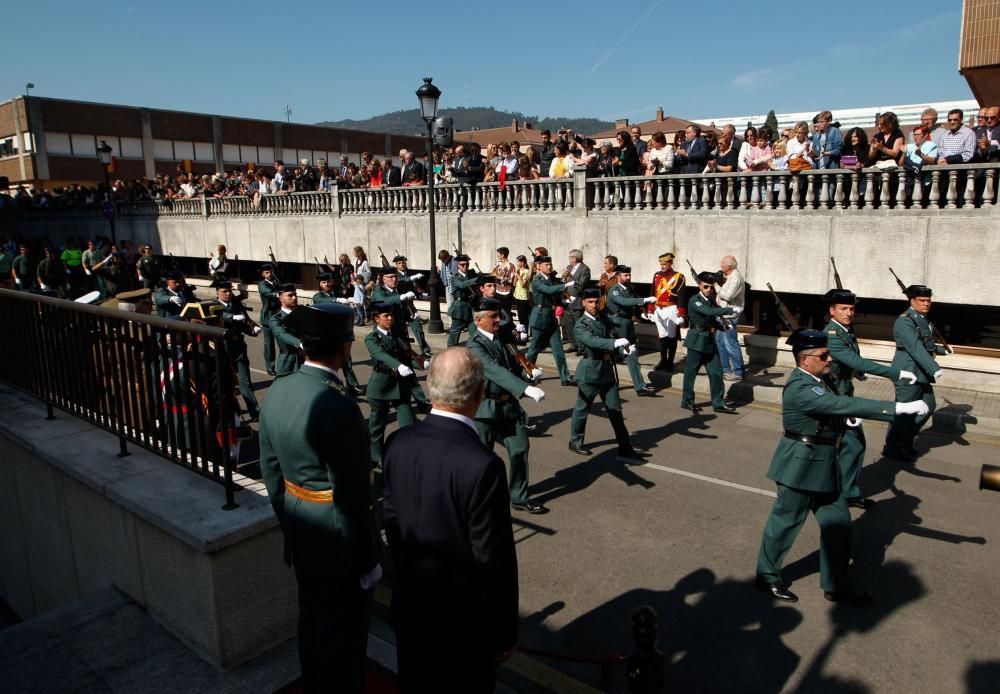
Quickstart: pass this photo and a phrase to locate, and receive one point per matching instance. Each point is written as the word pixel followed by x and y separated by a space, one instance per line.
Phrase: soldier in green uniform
pixel 51 273
pixel 393 381
pixel 499 414
pixel 915 352
pixel 88 260
pixel 546 293
pixel 148 268
pixel 463 289
pixel 703 319
pixel 622 305
pixel 847 365
pixel 406 283
pixel 314 463
pixel 596 375
pixel 804 467
pixel 290 356
pixel 325 295
pixel 234 318
pixel 23 269
pixel 268 290
pixel 173 295
pixel 6 264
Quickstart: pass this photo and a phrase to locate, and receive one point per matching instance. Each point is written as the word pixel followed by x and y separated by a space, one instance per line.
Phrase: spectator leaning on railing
pixel 827 141
pixel 958 143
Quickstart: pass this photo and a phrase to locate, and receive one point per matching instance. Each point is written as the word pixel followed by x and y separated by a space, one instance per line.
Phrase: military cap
pixel 708 277
pixel 486 279
pixel 915 290
pixel 265 266
pixel 840 296
pixel 806 338
pixel 543 259
pixel 286 287
pixel 221 283
pixel 461 258
pixel 489 305
pixel 666 256
pixel 322 321
pixel 399 259
pixel 127 301
pixel 378 308
pixel 591 293
pixel 623 268
pixel 175 275
pixel 324 276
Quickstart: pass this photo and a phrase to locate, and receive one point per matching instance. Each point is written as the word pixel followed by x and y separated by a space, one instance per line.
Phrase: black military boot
pixel 671 353
pixel 664 358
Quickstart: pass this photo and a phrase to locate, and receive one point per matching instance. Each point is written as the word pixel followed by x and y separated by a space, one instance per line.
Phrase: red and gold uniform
pixel 667 314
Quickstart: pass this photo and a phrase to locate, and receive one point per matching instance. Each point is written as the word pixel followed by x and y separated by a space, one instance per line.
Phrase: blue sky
pixel 341 59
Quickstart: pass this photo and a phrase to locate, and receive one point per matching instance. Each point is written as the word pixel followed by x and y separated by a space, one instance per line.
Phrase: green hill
pixel 409 122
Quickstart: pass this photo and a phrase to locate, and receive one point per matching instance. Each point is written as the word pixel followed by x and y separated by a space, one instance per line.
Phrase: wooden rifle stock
pixel 783 313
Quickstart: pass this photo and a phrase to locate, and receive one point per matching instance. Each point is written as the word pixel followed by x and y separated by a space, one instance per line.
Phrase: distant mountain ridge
pixel 409 122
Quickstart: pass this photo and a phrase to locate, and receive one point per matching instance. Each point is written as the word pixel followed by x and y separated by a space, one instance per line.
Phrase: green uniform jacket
pixel 165 307
pixel 914 346
pixel 463 288
pixel 52 272
pixel 324 298
pixel 313 435
pixel 24 266
pixel 848 360
pixel 388 352
pixel 234 342
pixel 150 268
pixel 290 358
pixel 502 374
pixel 702 318
pixel 268 290
pixel 597 337
pixel 809 406
pixel 621 307
pixel 546 294
pixel 6 263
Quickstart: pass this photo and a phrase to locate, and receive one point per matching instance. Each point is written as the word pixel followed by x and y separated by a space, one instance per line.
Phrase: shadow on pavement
pixel 580 476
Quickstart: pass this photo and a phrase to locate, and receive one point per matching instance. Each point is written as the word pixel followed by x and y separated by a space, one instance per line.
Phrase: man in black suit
pixel 579 273
pixel 392 175
pixel 414 173
pixel 694 153
pixel 447 518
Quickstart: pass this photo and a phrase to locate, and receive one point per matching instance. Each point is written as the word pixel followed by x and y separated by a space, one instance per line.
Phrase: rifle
pixel 274 262
pixel 836 275
pixel 726 324
pixel 783 313
pixel 519 357
pixel 173 263
pixel 937 333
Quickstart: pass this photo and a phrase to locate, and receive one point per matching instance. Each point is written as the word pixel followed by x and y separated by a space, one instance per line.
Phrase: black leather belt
pixel 814 440
pixel 503 397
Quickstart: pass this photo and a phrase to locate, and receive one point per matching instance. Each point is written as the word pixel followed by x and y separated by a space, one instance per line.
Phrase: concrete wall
pixel 950 250
pixel 75 519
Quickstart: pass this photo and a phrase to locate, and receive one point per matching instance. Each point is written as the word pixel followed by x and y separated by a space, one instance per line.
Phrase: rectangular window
pixel 113 143
pixel 204 151
pixel 58 143
pixel 183 150
pixel 131 147
pixel 288 156
pixel 84 145
pixel 163 149
pixel 265 155
pixel 248 154
pixel 231 154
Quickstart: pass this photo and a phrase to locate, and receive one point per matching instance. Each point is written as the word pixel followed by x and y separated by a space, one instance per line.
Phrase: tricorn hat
pixel 623 268
pixel 322 321
pixel 840 296
pixel 915 290
pixel 708 277
pixel 591 293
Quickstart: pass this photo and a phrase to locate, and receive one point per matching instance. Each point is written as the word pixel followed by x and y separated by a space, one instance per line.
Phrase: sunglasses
pixel 823 355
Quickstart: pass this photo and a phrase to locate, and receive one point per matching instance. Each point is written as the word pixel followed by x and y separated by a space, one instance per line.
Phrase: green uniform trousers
pixel 350 378
pixel 850 458
pixel 634 371
pixel 585 395
pixel 713 367
pixel 268 347
pixel 511 430
pixel 378 418
pixel 242 363
pixel 905 427
pixel 455 330
pixel 550 336
pixel 787 517
pixel 417 328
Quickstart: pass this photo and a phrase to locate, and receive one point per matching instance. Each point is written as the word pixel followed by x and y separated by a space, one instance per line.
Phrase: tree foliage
pixel 409 122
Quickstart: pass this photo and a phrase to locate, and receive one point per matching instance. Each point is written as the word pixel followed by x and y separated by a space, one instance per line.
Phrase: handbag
pixel 849 161
pixel 886 165
pixel 799 164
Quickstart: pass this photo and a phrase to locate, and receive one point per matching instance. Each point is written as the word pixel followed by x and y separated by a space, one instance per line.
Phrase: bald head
pixel 455 381
pixel 728 264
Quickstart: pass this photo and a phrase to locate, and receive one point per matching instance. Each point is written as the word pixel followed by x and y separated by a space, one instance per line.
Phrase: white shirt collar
pixel 454 415
pixel 840 324
pixel 818 379
pixel 702 295
pixel 587 315
pixel 316 365
pixel 575 268
pixel 485 334
pixel 384 332
pixel 286 311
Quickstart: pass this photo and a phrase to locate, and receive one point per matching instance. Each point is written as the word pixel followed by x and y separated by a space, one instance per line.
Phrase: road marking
pixel 713 480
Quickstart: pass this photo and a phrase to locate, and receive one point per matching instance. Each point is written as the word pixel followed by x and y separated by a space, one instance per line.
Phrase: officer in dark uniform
pixel 407 285
pixel 499 414
pixel 847 365
pixel 463 289
pixel 268 290
pixel 173 295
pixel 234 317
pixel 313 442
pixel 596 375
pixel 393 381
pixel 915 352
pixel 148 268
pixel 804 467
pixel 703 319
pixel 325 295
pixel 51 273
pixel 290 355
pixel 622 305
pixel 546 294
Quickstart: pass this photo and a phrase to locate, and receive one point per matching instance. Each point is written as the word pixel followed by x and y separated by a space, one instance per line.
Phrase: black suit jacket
pixel 414 172
pixel 447 516
pixel 697 155
pixel 392 176
pixel 581 280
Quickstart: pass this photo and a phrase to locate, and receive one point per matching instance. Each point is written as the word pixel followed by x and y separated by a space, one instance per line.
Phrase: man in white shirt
pixel 732 292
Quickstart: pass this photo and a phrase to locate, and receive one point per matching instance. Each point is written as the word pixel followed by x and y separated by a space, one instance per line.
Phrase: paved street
pixel 681 534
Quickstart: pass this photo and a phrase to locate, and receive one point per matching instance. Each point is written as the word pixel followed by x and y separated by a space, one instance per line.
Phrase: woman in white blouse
pixel 361 264
pixel 507 162
pixel 659 158
pixel 800 147
pixel 219 264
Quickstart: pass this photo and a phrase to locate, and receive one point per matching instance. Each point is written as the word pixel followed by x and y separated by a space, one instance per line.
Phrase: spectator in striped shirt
pixel 958 143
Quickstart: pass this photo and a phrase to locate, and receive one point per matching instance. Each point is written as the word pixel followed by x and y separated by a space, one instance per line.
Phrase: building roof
pixel 522 132
pixel 662 123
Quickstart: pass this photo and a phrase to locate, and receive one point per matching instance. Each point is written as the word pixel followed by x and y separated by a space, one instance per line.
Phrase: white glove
pixel 68 272
pixel 177 300
pixel 404 370
pixel 917 407
pixel 621 342
pixel 369 579
pixel 631 349
pixel 44 286
pixel 949 350
pixel 536 373
pixel 678 321
pixel 569 284
pixel 240 318
pixel 853 422
pixel 418 276
pixel 342 300
pixel 649 300
pixel 938 374
pixel 88 273
pixel 407 296
pixel 236 292
pixel 908 376
pixel 535 393
pixel 736 311
pixel 257 330
pixel 646 317
pixel 18 280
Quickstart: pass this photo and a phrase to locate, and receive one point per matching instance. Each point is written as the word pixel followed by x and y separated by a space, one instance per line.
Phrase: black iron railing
pixel 164 385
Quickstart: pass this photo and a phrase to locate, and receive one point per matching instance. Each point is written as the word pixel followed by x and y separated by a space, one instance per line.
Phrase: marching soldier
pixel 148 268
pixel 325 295
pixel 915 352
pixel 804 468
pixel 667 316
pixel 704 314
pixel 622 305
pixel 52 273
pixel 596 375
pixel 268 290
pixel 290 356
pixel 234 317
pixel 23 269
pixel 173 295
pixel 546 293
pixel 312 442
pixel 392 382
pixel 88 260
pixel 847 365
pixel 462 290
pixel 388 292
pixel 407 285
pixel 500 415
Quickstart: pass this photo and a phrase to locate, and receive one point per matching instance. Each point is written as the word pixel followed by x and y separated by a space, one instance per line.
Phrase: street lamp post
pixel 104 155
pixel 429 95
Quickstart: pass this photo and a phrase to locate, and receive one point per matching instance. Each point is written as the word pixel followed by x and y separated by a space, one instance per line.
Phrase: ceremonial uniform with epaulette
pixel 392 382
pixel 546 294
pixel 703 316
pixel 804 468
pixel 407 283
pixel 314 462
pixel 915 352
pixel 667 315
pixel 267 288
pixel 171 298
pixel 500 415
pixel 621 306
pixel 350 378
pixel 463 288
pixel 234 320
pixel 596 376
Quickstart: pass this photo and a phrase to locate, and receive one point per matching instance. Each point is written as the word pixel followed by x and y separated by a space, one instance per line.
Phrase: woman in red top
pixel 375 172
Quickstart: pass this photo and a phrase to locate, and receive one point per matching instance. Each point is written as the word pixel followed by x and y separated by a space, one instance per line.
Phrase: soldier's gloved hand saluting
pixel 908 376
pixel 177 300
pixel 621 342
pixel 535 393
pixel 406 296
pixel 917 407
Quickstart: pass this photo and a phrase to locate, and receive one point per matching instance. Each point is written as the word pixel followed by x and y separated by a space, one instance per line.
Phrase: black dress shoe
pixel 694 408
pixel 647 391
pixel 725 409
pixel 271 373
pixel 570 382
pixel 778 590
pixel 530 507
pixel 529 426
pixel 631 454
pixel 861 502
pixel 853 598
pixel 578 450
pixel 356 391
